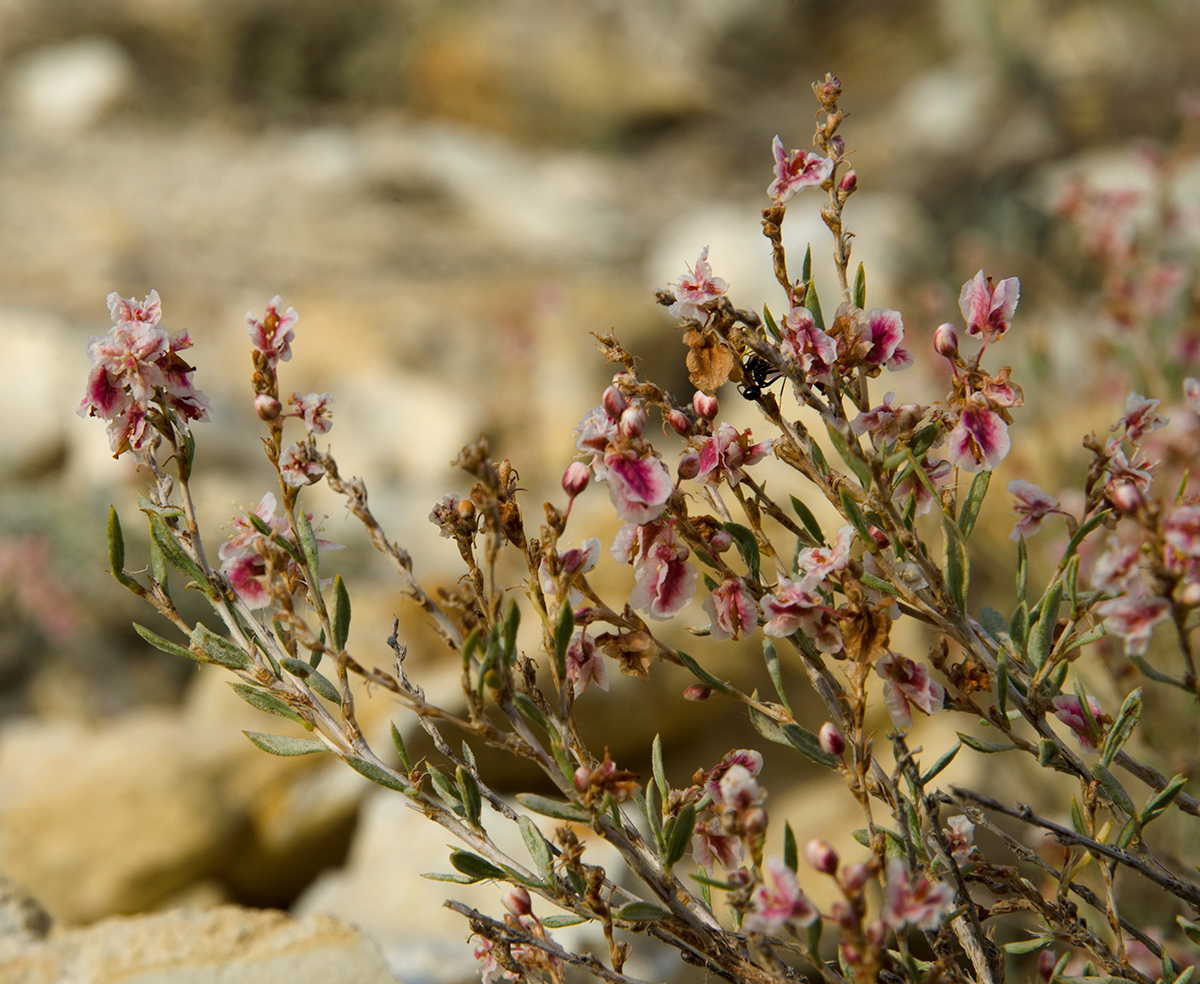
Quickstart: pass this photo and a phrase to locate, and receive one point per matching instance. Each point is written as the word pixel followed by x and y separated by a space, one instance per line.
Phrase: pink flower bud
pixel 822 856
pixel 721 541
pixel 267 407
pixel 842 913
pixel 945 340
pixel 855 876
pixel 849 181
pixel 517 901
pixel 1047 961
pixel 851 955
pixel 614 402
pixel 878 537
pixel 583 778
pixel 680 422
pixel 1126 497
pixel 697 692
pixel 706 406
pixel 831 739
pixel 689 465
pixel 633 420
pixel 877 933
pixel 575 478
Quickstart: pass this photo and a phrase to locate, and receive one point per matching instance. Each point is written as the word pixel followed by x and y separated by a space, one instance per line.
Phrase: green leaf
pixel 860 287
pixel 158 567
pixel 116 549
pixel 945 759
pixel 853 462
pixel 1123 727
pixel 1041 633
pixel 557 809
pixel 641 912
pixel 564 628
pixel 320 683
pixel 656 763
pixel 1190 929
pixel 1116 792
pixel 308 543
pixel 1027 946
pixel 973 503
pixel 1083 531
pixel 562 922
pixel 792 734
pixel 538 849
pixel 809 520
pixel 468 792
pixel 957 568
pixel 218 649
pixel 401 749
pixel 285 746
pixel 377 775
pixel 1022 573
pixel 677 834
pixel 871 581
pixel 1018 627
pixel 703 675
pixel 747 546
pixel 174 554
pixel 988 747
pixel 791 857
pixel 339 618
pixel 806 266
pixel 530 710
pixel 818 457
pixel 511 622
pixel 158 642
pixel 446 789
pixel 265 702
pixel 1077 818
pixel 854 514
pixel 813 303
pixel 771 324
pixel 774 670
pixel 454 879
pixel 475 867
pixel 1157 805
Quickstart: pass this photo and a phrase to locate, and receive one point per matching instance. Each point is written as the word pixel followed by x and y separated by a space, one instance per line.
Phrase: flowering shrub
pixel 920 901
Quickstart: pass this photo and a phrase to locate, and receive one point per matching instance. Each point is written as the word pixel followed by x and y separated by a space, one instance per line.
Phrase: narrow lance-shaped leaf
pixel 747 546
pixel 468 791
pixel 308 543
pixel 854 514
pixel 771 656
pixel 1116 792
pixel 265 702
pixel 853 461
pixel 158 567
pixel 944 760
pixel 320 683
pixel 703 675
pixel 538 849
pixel 770 323
pixel 809 520
pixel 957 567
pixel 116 549
pixel 284 745
pixel 1123 727
pixel 339 618
pixel 971 505
pixel 475 867
pixel 377 775
pixel 218 649
pixel 678 835
pixel 806 266
pixel 641 912
pixel 401 749
pixel 1041 633
pixel 556 809
pixel 791 856
pixel 564 628
pixel 860 287
pixel 797 737
pixel 1002 683
pixel 1157 805
pixel 656 764
pixel 174 553
pixel 165 645
pixel 813 303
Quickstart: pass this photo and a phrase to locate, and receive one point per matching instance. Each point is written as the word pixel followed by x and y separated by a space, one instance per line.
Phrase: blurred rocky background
pixel 453 195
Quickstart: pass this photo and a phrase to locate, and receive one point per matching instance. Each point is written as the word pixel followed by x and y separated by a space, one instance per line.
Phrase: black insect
pixel 757 372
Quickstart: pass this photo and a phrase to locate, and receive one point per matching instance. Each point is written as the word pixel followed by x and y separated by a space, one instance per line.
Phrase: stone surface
pixel 226 945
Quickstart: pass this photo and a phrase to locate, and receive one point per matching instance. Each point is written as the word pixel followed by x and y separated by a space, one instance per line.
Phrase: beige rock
pixel 227 945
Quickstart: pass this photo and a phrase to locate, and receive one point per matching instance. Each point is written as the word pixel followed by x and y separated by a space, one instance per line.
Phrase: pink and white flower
pixel 724 454
pixel 988 308
pixel 791 607
pixel 778 902
pixel 732 609
pixel 980 438
pixel 817 563
pixel 697 291
pixel 585 664
pixel 1069 710
pixel 1133 617
pixel 796 171
pixel 908 683
pixel 273 335
pixel 961 838
pixel 1141 417
pixel 1033 505
pixel 804 343
pixel 664 582
pixel 298 467
pixel 887 331
pixel 639 487
pixel 914 900
pixel 313 408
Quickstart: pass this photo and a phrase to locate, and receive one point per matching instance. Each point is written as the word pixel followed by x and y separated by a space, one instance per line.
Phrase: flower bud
pixel 754 821
pixel 267 407
pixel 849 181
pixel 851 955
pixel 705 405
pixel 575 478
pixel 1126 497
pixel 614 402
pixel 680 422
pixel 697 692
pixel 878 537
pixel 945 340
pixel 831 739
pixel 582 779
pixel 842 913
pixel 517 901
pixel 721 541
pixel 466 511
pixel 837 148
pixel 877 933
pixel 689 465
pixel 855 876
pixel 828 91
pixel 633 420
pixel 822 856
pixel 1047 961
